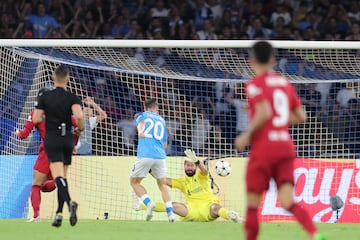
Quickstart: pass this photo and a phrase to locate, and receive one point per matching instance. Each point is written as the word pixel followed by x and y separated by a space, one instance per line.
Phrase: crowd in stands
pixel 181 19
pixel 212 119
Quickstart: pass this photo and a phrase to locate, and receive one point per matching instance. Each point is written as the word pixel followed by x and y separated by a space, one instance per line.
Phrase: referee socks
pixel 63 192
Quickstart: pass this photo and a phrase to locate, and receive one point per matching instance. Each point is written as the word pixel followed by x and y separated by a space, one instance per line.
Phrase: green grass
pixel 19 229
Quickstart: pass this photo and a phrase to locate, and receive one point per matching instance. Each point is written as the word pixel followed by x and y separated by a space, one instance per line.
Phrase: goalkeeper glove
pixel 191 156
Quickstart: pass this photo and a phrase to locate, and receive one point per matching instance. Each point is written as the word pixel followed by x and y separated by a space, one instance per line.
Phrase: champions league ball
pixel 223 168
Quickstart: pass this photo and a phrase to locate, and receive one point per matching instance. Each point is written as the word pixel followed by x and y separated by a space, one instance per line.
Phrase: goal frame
pixel 175 43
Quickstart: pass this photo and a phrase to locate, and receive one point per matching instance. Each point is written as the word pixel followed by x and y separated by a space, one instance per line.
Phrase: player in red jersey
pixel 42 179
pixel 274 105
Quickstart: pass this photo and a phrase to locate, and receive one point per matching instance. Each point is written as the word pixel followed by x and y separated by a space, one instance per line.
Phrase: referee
pixel 59 105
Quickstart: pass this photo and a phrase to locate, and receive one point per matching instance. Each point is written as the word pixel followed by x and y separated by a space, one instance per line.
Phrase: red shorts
pixel 262 167
pixel 42 164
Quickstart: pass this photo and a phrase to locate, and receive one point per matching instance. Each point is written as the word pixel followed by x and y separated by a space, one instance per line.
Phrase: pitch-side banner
pixel 315 182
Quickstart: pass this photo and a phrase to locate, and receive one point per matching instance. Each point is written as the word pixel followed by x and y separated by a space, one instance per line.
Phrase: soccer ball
pixel 223 168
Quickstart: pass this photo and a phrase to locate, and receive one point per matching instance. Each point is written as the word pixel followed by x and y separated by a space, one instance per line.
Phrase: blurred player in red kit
pixel 42 179
pixel 274 105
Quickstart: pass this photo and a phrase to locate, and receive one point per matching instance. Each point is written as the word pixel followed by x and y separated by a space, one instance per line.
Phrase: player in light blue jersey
pixel 152 135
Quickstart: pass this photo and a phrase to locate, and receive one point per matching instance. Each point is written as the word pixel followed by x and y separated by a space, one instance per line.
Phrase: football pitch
pixel 19 229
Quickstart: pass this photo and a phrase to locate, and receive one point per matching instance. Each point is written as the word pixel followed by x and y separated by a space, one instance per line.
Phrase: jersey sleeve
pixel 139 117
pixel 203 177
pixel 76 100
pixel 177 183
pixel 295 101
pixel 254 92
pixel 40 103
pixel 27 129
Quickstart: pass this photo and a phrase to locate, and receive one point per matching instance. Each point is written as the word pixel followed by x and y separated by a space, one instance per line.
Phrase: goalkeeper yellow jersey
pixel 196 188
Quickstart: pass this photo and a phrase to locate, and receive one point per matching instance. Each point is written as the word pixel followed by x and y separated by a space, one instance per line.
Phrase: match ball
pixel 223 168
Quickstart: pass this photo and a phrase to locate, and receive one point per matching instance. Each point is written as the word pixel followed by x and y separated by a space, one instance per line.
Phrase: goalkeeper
pixel 202 205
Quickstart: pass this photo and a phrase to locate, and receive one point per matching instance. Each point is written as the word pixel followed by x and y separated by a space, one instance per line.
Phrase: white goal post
pixel 286 44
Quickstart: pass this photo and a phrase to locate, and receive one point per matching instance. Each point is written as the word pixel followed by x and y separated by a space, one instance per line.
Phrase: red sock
pixel 303 217
pixel 251 224
pixel 48 186
pixel 35 197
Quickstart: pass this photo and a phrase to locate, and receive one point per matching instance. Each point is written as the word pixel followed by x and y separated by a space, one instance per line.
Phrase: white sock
pixel 169 207
pixel 146 199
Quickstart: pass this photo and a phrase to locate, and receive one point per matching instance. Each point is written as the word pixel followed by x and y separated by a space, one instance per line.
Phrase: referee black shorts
pixel 59 148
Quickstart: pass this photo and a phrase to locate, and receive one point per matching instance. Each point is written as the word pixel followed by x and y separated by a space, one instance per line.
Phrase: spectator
pixel 159 10
pixel 127 126
pixel 226 20
pixel 216 8
pixel 175 23
pixel 257 30
pixel 242 116
pixel 106 31
pixel 201 12
pixel 280 12
pixel 84 146
pixel 324 89
pixel 355 33
pixel 134 30
pixel 344 96
pixel 100 90
pixel 311 98
pixel 354 11
pixel 43 24
pixel 6 26
pixel 208 32
pixel 174 127
pixel 300 13
pixel 216 143
pixel 121 27
pixel 200 131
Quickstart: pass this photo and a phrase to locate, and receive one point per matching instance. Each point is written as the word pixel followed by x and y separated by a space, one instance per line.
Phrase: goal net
pixel 201 95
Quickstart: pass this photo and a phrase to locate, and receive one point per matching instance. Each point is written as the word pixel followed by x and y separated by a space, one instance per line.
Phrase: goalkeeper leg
pixel 217 210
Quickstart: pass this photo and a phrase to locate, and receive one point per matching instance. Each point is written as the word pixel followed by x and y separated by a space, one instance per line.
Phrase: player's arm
pixel 100 113
pixel 168 182
pixel 203 169
pixel 79 117
pixel 165 139
pixel 298 115
pixel 38 116
pixel 140 129
pixel 27 129
pixel 297 112
pixel 261 116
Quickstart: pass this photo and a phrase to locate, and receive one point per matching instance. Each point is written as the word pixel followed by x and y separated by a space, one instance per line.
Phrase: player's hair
pixel 61 72
pixel 262 51
pixel 150 103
